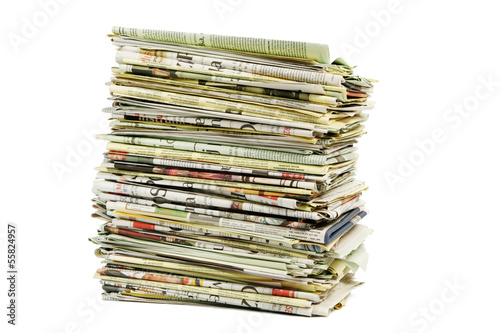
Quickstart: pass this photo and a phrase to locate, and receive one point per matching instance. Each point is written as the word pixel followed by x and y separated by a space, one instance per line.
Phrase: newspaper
pixel 178 279
pixel 207 200
pixel 132 58
pixel 148 126
pixel 274 198
pixel 119 236
pixel 261 154
pixel 126 42
pixel 264 183
pixel 130 172
pixel 121 156
pixel 180 252
pixel 218 105
pixel 223 123
pixel 323 235
pixel 143 106
pixel 283 48
pixel 237 68
pixel 213 291
pixel 134 220
pixel 170 295
pixel 206 90
pixel 223 159
pixel 104 196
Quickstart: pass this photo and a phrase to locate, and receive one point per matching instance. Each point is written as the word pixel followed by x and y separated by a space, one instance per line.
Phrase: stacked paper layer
pixel 229 176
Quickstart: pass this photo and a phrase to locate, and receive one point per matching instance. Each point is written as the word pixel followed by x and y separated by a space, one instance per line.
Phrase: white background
pixel 436 227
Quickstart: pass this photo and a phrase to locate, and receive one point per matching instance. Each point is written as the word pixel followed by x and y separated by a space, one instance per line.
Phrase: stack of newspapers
pixel 229 176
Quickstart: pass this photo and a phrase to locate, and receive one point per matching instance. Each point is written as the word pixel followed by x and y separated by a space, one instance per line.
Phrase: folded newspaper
pixel 229 176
